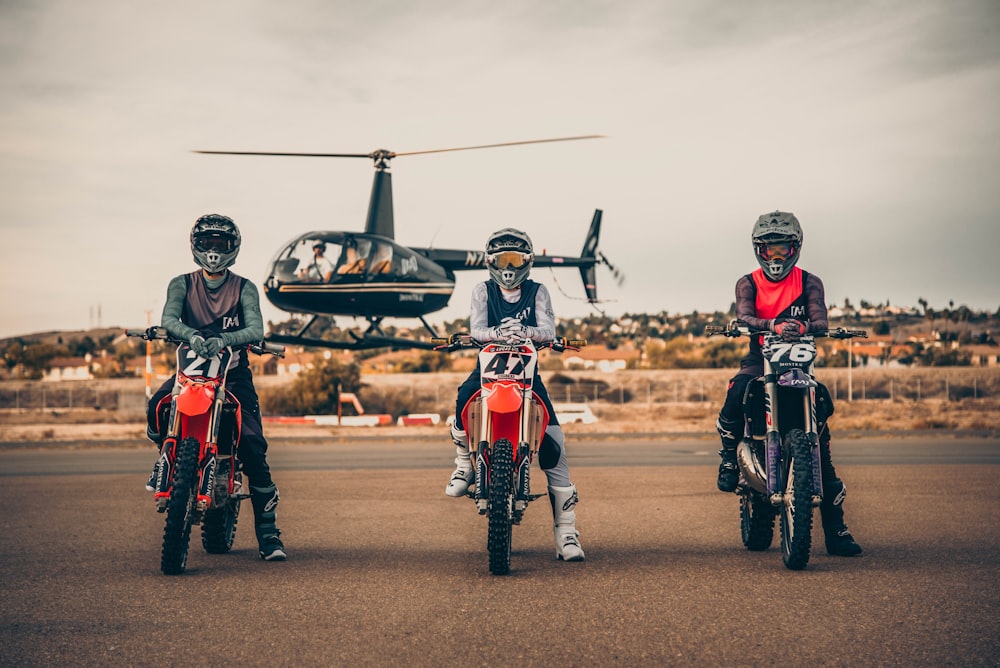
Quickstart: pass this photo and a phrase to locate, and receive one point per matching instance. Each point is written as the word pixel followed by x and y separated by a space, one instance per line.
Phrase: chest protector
pixel 779 300
pixel 215 311
pixel 497 308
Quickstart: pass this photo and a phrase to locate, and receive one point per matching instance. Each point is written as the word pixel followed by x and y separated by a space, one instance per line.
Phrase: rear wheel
pixel 501 490
pixel 796 506
pixel 218 529
pixel 756 521
pixel 180 508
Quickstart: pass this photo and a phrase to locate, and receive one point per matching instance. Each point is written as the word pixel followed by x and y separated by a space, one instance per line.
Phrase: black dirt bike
pixel 198 476
pixel 778 456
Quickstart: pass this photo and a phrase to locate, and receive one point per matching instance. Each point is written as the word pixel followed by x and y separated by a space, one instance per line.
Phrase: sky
pixel 877 123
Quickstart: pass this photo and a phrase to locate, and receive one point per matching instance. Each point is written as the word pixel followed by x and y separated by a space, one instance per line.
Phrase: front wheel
pixel 796 506
pixel 180 508
pixel 501 490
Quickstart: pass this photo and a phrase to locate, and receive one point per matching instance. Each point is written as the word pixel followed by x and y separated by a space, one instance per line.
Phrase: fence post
pixel 947 394
pixel 918 389
pixel 621 393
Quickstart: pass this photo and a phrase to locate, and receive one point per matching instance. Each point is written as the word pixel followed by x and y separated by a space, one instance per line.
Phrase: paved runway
pixel 385 570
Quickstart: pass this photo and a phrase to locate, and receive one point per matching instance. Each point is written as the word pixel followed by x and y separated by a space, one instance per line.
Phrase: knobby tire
pixel 218 528
pixel 180 508
pixel 501 492
pixel 756 521
pixel 796 508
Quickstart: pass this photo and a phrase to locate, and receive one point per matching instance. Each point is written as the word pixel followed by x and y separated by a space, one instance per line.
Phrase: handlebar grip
pixel 576 343
pixel 274 348
pixel 714 329
pixel 131 331
pixel 440 342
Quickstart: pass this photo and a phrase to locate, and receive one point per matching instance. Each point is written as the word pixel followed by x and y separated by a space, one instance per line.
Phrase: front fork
pixel 777 471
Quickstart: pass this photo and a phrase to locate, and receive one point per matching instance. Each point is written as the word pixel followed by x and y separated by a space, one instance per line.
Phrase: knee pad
pixel 459 437
pixel 727 430
pixel 551 448
pixel 834 492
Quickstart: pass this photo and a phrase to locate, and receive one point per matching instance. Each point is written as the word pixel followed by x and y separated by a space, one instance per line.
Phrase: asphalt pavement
pixel 385 570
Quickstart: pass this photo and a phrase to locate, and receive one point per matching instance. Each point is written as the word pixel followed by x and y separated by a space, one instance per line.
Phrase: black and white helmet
pixel 777 239
pixel 215 242
pixel 509 255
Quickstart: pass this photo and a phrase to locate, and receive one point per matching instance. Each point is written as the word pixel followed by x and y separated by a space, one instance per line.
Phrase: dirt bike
pixel 198 476
pixel 778 456
pixel 505 421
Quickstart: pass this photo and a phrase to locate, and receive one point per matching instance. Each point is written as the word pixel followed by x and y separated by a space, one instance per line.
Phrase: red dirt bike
pixel 778 456
pixel 505 421
pixel 198 478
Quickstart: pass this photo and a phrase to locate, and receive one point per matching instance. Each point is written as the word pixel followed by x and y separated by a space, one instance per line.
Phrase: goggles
pixel 772 252
pixel 219 244
pixel 505 259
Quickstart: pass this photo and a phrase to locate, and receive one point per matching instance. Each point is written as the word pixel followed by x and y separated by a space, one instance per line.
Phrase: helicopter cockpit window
pixel 354 258
pixel 381 258
pixel 318 267
pixel 306 261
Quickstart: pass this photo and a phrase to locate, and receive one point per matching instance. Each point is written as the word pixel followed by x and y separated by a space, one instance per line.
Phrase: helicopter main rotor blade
pixel 511 143
pixel 298 155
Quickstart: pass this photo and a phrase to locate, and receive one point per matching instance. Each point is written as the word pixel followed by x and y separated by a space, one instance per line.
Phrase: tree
pixel 316 391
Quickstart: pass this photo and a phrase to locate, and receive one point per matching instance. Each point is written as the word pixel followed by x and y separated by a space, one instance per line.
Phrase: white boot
pixel 463 474
pixel 564 499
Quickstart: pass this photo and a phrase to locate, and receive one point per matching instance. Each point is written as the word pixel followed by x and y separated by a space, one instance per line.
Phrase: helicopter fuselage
pixel 356 274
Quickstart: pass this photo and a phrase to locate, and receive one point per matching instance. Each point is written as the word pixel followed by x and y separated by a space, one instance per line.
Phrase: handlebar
pixel 737 328
pixel 161 334
pixel 463 340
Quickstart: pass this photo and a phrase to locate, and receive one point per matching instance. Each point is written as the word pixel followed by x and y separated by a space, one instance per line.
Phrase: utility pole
pixel 149 359
pixel 850 368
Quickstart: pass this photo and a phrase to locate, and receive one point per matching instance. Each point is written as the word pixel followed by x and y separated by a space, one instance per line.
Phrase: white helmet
pixel 509 256
pixel 215 242
pixel 777 239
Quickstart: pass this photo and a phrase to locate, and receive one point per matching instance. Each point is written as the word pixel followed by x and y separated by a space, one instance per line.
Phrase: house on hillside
pixel 600 358
pixel 983 355
pixel 69 368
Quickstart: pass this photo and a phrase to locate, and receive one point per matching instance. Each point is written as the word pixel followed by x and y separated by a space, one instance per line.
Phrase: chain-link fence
pixel 435 392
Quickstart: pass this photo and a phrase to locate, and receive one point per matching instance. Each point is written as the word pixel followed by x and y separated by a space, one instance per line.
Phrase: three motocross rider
pixel 781 297
pixel 211 308
pixel 511 307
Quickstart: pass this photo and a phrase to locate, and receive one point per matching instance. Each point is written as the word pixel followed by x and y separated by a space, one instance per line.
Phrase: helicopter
pixel 369 275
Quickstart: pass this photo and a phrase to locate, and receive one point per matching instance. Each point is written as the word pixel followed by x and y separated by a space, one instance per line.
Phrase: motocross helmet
pixel 777 239
pixel 509 255
pixel 215 242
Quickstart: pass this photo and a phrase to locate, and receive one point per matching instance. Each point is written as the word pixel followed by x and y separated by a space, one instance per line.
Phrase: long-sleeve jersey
pixel 228 307
pixel 490 305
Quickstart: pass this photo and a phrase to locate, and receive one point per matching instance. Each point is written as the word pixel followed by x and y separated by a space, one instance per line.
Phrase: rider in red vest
pixel 781 297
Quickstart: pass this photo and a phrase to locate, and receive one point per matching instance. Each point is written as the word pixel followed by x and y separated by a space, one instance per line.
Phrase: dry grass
pixel 662 402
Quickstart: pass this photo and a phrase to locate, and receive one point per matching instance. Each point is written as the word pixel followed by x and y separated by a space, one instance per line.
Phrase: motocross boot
pixel 265 500
pixel 151 483
pixel 564 500
pixel 154 436
pixel 463 475
pixel 839 541
pixel 729 473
